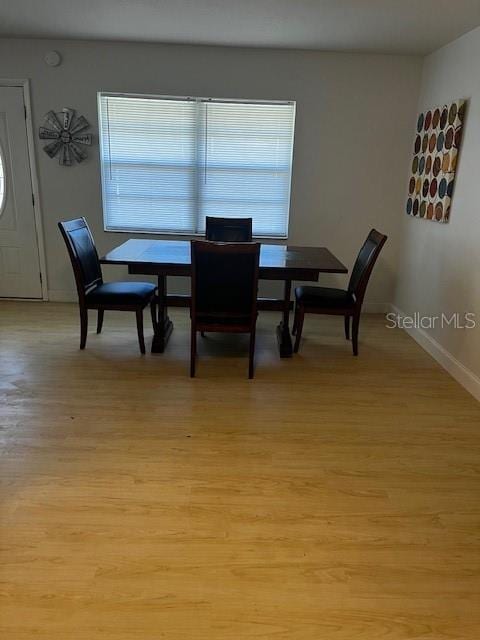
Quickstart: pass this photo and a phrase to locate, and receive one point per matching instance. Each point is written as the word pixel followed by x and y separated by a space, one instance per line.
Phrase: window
pixel 169 162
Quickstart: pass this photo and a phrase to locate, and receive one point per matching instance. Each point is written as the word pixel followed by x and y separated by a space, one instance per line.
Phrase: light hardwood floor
pixel 330 498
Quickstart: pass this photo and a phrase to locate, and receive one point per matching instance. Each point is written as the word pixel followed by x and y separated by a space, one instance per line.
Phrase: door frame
pixel 24 83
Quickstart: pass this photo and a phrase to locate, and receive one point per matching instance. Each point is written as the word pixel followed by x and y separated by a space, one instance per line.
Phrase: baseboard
pixel 23 300
pixel 376 307
pixel 469 380
pixel 62 295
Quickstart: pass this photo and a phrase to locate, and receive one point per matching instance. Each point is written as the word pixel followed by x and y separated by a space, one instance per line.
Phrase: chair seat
pixel 121 293
pixel 324 298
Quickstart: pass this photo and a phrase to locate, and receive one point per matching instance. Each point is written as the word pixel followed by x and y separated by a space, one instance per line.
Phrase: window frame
pixel 150 96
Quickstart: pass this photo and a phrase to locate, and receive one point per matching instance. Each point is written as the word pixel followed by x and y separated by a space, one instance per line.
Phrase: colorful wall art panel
pixel 435 153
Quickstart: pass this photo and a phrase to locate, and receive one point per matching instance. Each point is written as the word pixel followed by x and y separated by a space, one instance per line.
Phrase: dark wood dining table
pixel 164 258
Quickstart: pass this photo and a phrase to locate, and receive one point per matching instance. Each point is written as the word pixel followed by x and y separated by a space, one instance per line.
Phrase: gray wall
pixel 440 265
pixel 355 116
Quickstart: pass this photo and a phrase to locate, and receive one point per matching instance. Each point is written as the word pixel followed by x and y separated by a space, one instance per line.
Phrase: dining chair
pixel 228 229
pixel 347 303
pixel 224 230
pixel 224 292
pixel 93 293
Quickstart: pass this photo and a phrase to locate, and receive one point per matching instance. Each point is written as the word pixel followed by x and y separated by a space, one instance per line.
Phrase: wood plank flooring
pixel 330 498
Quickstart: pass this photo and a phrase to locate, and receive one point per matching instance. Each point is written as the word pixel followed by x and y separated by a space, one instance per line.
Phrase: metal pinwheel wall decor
pixel 67 132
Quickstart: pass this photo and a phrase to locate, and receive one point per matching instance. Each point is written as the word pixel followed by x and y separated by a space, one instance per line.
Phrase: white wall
pixel 353 133
pixel 439 269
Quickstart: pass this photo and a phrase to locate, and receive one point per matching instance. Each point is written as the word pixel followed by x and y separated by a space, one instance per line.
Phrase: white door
pixel 19 258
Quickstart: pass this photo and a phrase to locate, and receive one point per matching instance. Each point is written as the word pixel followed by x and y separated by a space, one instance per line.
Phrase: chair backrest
pixel 364 264
pixel 228 229
pixel 225 279
pixel 83 254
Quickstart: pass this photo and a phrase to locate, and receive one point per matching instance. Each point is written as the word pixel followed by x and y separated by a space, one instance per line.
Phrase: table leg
pixel 283 332
pixel 164 324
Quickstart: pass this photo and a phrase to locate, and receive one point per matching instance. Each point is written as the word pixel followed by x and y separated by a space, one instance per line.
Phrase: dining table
pixel 163 258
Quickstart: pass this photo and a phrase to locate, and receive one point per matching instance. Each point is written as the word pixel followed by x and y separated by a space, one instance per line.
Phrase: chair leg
pixel 299 329
pixel 141 341
pixel 100 320
pixel 295 322
pixel 251 355
pixel 193 350
pixel 153 312
pixel 83 327
pixel 347 327
pixel 355 326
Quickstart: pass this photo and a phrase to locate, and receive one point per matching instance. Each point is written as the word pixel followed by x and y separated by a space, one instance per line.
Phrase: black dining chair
pixel 228 229
pixel 93 293
pixel 347 303
pixel 224 292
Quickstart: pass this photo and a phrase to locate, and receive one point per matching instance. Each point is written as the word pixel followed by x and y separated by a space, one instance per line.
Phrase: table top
pixel 150 256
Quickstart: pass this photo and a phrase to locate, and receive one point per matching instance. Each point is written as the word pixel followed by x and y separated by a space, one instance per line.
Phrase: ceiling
pixel 396 26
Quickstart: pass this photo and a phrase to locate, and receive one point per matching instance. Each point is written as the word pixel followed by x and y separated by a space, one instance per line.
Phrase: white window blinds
pixel 169 162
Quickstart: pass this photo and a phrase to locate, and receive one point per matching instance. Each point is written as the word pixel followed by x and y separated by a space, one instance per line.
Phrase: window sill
pixel 164 235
